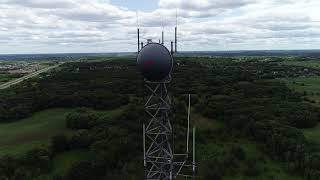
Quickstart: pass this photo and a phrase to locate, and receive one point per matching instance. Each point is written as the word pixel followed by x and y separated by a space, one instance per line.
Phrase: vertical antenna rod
pixel 175 33
pixel 162 33
pixel 138 40
pixel 162 36
pixel 144 145
pixel 175 39
pixel 172 47
pixel 138 32
pixel 194 153
pixel 188 132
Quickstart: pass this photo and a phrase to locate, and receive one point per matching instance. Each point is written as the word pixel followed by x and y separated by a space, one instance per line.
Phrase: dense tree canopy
pixel 244 97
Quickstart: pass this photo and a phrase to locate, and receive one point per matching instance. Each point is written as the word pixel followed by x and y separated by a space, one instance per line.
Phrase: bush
pixel 252 168
pixel 238 152
pixel 59 143
pixel 81 119
pixel 80 171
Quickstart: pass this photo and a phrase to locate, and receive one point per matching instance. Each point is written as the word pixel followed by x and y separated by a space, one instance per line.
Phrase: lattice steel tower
pixel 158 157
pixel 155 62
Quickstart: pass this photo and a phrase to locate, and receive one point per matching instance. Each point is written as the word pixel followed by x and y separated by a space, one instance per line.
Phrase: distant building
pixel 149 41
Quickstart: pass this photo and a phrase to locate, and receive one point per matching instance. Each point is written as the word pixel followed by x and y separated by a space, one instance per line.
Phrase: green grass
pixel 18 137
pixel 63 162
pixel 7 77
pixel 310 63
pixel 204 123
pixel 309 85
pixel 313 134
pixel 21 136
pixel 269 169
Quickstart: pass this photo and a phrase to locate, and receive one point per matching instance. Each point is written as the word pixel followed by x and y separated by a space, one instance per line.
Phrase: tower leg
pixel 158 134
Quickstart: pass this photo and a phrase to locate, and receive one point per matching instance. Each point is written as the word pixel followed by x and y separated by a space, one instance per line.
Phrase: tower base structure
pixel 158 152
pixel 160 161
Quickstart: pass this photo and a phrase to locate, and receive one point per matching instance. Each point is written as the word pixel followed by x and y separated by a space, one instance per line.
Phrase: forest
pixel 250 124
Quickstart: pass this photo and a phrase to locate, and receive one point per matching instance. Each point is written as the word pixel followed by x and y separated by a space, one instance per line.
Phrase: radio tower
pixel 155 63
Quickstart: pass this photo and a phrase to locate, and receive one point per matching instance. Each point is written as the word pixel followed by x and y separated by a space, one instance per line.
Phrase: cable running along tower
pixel 155 62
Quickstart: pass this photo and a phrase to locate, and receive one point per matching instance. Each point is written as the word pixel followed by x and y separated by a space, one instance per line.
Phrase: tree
pixel 59 143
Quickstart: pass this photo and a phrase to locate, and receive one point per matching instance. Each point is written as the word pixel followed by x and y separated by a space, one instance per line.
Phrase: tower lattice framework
pixel 158 151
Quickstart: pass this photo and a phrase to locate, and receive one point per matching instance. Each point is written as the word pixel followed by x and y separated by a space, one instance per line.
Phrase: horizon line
pixel 126 52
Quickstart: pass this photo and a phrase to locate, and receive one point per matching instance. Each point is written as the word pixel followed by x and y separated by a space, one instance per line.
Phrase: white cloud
pixel 203 4
pixel 41 26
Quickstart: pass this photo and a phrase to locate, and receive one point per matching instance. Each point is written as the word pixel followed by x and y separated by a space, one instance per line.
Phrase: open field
pixel 271 169
pixel 305 63
pixel 36 131
pixel 309 86
pixel 20 136
pixel 313 134
pixel 63 162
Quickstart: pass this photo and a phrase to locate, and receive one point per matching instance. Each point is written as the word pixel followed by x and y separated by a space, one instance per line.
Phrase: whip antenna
pixel 138 31
pixel 175 32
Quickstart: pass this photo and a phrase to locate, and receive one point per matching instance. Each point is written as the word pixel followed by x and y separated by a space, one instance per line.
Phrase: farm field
pixel 313 134
pixel 63 162
pixel 308 86
pixel 305 63
pixel 18 137
pixel 21 136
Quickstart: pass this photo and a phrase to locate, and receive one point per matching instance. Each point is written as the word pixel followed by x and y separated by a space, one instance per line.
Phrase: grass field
pixel 7 77
pixel 310 63
pixel 20 136
pixel 313 137
pixel 36 131
pixel 63 162
pixel 308 85
pixel 313 134
pixel 269 169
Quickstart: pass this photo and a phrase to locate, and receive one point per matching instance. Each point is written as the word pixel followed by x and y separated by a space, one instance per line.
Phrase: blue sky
pixel 137 5
pixel 80 26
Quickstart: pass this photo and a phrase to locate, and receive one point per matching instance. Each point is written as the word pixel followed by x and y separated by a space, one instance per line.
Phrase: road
pixel 31 75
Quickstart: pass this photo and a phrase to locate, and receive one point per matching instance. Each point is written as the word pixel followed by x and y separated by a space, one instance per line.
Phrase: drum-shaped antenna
pixel 155 62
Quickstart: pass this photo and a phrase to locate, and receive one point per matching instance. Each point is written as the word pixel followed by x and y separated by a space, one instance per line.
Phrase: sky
pixel 96 26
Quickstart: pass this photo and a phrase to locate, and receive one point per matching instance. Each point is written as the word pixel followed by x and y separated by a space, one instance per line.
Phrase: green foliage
pixel 239 102
pixel 80 171
pixel 80 119
pixel 100 85
pixel 59 143
pixel 18 137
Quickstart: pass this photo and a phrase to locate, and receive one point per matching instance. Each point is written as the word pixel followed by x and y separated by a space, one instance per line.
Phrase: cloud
pixel 47 4
pixel 200 5
pixel 44 26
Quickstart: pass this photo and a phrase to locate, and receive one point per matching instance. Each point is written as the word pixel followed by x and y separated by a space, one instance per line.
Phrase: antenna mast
pixel 138 31
pixel 175 32
pixel 162 33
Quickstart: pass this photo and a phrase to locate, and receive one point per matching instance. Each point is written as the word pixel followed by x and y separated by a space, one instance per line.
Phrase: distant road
pixel 19 80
